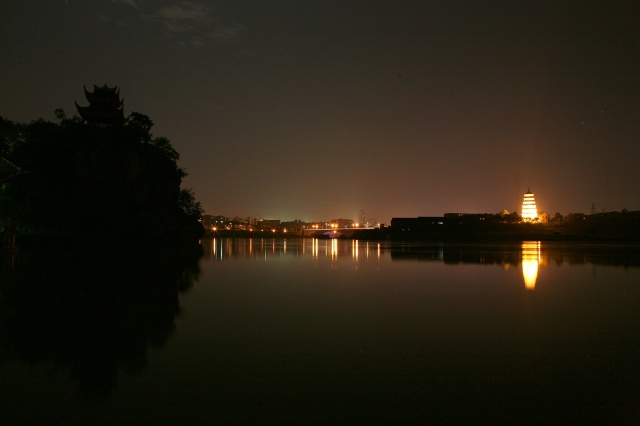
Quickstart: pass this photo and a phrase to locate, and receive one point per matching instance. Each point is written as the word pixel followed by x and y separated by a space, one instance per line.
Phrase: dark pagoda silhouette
pixel 105 106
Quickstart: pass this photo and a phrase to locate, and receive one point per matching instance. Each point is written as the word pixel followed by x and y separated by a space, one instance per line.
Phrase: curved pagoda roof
pixel 105 106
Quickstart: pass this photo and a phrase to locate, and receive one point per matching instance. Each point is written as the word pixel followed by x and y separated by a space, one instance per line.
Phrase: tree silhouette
pixel 141 125
pixel 98 180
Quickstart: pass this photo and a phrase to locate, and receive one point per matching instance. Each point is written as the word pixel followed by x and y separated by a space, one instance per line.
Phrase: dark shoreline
pixel 453 236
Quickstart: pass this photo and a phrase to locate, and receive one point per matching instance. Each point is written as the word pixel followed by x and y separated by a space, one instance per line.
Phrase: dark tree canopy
pixel 97 180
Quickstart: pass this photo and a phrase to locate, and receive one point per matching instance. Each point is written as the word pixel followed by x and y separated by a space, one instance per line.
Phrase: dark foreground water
pixel 295 331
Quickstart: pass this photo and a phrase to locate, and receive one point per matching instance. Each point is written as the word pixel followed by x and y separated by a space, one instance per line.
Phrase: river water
pixel 307 331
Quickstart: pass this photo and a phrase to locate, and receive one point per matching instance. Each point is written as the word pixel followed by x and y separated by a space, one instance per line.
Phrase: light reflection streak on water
pixel 530 262
pixel 333 249
pixel 342 253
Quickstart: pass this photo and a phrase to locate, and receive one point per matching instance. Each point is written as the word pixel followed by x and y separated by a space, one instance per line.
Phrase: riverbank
pixel 470 232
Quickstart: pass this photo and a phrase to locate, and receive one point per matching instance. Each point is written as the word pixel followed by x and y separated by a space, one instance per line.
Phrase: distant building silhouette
pixel 269 224
pixel 105 106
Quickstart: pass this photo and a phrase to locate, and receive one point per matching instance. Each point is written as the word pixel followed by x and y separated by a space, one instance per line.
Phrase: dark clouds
pixel 315 110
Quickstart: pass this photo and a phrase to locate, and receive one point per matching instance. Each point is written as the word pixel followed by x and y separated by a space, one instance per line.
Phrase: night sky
pixel 314 110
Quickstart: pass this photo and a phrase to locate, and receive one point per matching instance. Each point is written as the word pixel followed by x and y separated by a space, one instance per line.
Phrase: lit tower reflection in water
pixel 530 263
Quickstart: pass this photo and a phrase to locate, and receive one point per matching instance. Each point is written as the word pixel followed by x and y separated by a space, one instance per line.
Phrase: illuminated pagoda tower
pixel 105 106
pixel 529 210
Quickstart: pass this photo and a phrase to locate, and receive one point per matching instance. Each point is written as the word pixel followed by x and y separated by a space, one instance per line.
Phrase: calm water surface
pixel 269 331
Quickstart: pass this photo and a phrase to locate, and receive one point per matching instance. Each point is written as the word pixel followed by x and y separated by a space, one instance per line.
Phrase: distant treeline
pixel 624 225
pixel 72 181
